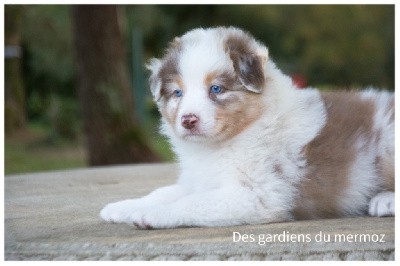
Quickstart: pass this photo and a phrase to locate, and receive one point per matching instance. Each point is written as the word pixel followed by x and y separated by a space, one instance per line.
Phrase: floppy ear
pixel 248 61
pixel 155 83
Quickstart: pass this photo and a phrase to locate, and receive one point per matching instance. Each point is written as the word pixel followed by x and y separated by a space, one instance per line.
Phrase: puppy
pixel 252 149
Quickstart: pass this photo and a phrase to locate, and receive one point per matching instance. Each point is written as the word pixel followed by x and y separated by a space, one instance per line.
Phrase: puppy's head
pixel 209 83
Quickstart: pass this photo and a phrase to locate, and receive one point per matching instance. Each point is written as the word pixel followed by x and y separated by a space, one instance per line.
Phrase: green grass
pixel 34 151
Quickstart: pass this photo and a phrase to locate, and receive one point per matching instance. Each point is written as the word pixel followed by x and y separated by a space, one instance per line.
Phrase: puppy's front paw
pixel 382 204
pixel 154 218
pixel 118 212
pixel 141 221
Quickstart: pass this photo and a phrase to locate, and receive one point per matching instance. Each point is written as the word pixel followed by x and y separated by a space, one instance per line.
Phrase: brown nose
pixel 189 121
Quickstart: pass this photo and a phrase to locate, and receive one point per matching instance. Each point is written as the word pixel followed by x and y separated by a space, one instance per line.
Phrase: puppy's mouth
pixel 194 135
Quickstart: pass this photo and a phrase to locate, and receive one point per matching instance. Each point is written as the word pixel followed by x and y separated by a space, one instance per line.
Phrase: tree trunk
pixel 112 131
pixel 14 92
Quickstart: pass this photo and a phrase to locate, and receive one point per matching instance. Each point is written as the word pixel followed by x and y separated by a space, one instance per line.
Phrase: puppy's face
pixel 208 84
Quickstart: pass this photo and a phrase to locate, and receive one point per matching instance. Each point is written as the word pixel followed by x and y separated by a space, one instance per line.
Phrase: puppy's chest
pixel 230 166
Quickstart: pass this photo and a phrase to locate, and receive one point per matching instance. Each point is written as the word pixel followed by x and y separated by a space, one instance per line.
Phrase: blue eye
pixel 178 93
pixel 215 89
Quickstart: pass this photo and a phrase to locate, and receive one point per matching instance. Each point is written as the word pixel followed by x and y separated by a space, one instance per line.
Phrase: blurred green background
pixel 324 46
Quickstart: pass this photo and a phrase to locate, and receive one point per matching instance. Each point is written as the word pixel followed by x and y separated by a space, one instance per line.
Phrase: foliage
pixel 48 56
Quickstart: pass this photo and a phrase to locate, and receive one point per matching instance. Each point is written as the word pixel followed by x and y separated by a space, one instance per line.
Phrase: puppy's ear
pixel 162 70
pixel 248 59
pixel 154 66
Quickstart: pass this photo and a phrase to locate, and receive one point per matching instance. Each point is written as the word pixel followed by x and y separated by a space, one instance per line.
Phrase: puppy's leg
pixel 382 204
pixel 220 207
pixel 120 211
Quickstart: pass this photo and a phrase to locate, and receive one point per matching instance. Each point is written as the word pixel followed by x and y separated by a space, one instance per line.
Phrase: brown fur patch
pixel 331 154
pixel 387 171
pixel 228 81
pixel 235 116
pixel 223 78
pixel 278 169
pixel 236 111
pixel 247 64
pixel 170 114
pixel 385 167
pixel 210 77
pixel 179 81
pixel 168 74
pixel 169 70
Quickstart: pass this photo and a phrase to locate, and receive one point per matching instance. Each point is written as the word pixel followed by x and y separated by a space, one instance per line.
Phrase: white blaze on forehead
pixel 201 55
pixel 194 101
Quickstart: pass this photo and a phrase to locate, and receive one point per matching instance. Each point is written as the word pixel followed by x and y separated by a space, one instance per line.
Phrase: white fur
pixel 233 181
pixel 382 204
